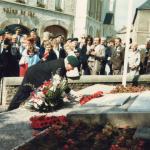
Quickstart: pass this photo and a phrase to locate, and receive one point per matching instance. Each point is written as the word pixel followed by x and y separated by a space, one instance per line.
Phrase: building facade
pixel 141 24
pixel 67 17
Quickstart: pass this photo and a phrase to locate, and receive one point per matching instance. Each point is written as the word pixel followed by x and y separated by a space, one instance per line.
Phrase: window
pixel 99 10
pixel 41 3
pixel 59 5
pixel 108 18
pixel 91 8
pixel 111 5
pixel 21 1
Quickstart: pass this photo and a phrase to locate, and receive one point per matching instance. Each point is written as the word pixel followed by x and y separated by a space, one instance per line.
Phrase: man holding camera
pixel 96 56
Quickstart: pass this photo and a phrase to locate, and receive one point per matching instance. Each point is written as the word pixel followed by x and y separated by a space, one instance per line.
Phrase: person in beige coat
pixel 96 56
pixel 134 60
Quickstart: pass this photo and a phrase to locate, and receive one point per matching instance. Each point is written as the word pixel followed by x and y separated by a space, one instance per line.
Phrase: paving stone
pixel 14 125
pixel 141 103
pixel 109 100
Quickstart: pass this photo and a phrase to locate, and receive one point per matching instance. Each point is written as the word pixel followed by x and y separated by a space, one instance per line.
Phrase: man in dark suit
pixel 18 35
pixel 2 37
pixel 60 40
pixel 117 57
pixel 33 34
pixel 38 73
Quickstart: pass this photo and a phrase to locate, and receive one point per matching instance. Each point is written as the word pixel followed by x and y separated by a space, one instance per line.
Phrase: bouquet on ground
pixel 49 96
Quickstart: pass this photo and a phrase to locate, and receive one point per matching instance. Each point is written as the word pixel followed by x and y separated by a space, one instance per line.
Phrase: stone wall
pixel 11 84
pixel 141 31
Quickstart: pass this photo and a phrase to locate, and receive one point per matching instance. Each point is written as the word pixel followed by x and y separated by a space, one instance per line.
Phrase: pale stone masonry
pixel 9 85
pixel 72 17
pixel 141 24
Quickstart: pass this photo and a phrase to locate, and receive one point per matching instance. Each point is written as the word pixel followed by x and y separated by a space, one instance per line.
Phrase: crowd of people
pixel 97 56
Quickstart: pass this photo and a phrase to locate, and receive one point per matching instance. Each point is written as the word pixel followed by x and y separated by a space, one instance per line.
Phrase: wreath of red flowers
pixel 87 98
pixel 42 122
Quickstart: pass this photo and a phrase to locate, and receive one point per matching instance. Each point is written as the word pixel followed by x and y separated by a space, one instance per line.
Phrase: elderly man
pixel 38 73
pixel 117 57
pixel 134 60
pixel 97 53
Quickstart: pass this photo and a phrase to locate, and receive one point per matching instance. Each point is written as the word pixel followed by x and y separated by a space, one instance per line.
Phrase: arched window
pixel 111 5
pixel 91 8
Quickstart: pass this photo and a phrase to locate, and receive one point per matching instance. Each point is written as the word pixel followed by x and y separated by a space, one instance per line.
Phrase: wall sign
pixel 18 12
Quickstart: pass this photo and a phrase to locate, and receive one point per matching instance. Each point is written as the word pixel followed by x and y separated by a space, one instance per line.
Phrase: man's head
pixel 7 44
pixel 18 30
pixel 96 41
pixel 59 38
pixel 74 42
pixel 2 35
pixel 8 34
pixel 148 44
pixel 33 35
pixel 103 41
pixel 111 43
pixel 14 38
pixel 117 42
pixel 33 30
pixel 134 46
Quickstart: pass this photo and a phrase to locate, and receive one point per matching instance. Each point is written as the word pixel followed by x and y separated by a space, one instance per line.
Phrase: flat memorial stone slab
pixel 92 110
pixel 112 110
pixel 141 103
pixel 109 100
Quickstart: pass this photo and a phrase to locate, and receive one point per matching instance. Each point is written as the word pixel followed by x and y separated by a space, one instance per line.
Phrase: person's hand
pixel 93 53
pixel 74 96
pixel 133 67
pixel 109 58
